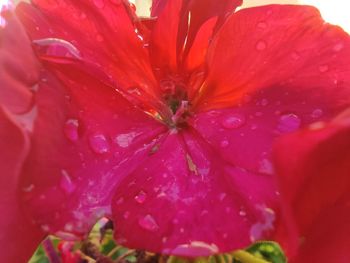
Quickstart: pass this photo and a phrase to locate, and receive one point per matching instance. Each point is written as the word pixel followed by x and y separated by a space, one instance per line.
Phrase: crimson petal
pixel 315 183
pixel 108 42
pixel 277 45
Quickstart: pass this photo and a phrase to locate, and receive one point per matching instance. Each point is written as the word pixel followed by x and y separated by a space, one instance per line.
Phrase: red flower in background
pixel 315 181
pixel 164 125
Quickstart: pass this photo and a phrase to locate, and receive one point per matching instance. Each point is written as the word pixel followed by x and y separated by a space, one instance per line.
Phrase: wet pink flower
pixel 165 125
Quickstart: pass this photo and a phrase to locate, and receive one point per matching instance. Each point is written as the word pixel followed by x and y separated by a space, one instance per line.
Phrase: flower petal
pixel 178 25
pixel 108 43
pixel 87 137
pixel 185 201
pixel 274 45
pixel 19 72
pixel 19 235
pixel 315 183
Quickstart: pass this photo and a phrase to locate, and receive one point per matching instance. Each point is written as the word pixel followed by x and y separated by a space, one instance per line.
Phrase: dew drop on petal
pixel 317 113
pixel 140 197
pixel 45 228
pixel 338 47
pixel 295 56
pixel 124 140
pixel 148 222
pixel 66 182
pixel 233 121
pixel 262 227
pixel 28 188
pixel 126 215
pixel 99 3
pixel 323 68
pixel 99 143
pixel 261 25
pixel 224 144
pixel 56 48
pixel 261 45
pixel 266 167
pixel 289 122
pixel 71 130
pixel 264 102
pixel 99 38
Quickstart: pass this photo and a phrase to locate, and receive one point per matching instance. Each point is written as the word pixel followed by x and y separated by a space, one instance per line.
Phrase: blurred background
pixel 333 11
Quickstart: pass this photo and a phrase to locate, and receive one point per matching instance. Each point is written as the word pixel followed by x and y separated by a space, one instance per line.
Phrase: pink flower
pixel 165 125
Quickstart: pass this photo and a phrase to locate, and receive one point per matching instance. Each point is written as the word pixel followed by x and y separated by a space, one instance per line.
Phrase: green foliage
pixel 270 251
pixel 100 246
pixel 39 256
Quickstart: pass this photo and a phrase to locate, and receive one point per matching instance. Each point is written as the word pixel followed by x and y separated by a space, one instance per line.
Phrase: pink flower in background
pixel 164 125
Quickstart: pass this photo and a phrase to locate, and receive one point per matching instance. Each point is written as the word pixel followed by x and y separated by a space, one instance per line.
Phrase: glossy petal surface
pixel 19 236
pixel 315 182
pixel 183 200
pixel 277 45
pixel 84 149
pixel 108 46
pixel 18 73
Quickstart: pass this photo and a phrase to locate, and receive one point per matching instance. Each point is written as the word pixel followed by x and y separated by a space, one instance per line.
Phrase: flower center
pixel 175 96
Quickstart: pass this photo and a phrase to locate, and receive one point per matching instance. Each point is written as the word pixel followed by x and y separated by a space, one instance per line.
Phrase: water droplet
pixel 261 45
pixel 222 196
pixel 99 3
pixel 224 143
pixel 28 188
pixel 66 182
pixel 289 122
pixel 317 113
pixel 261 25
pixel 45 228
pixel 338 47
pixel 147 222
pixel 99 38
pixel 264 102
pixel 258 114
pixel 261 228
pixel 266 167
pixel 124 140
pixel 233 121
pixel 71 130
pixel 99 143
pixel 126 215
pixel 140 197
pixel 54 48
pixel 68 227
pixel 323 68
pixel 295 56
pixel 242 213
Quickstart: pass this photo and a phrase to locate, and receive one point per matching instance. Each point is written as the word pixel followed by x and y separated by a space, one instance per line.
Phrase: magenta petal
pixel 18 67
pixel 183 200
pixel 19 235
pixel 86 139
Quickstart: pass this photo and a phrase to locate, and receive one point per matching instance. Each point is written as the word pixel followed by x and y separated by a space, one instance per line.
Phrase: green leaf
pixel 267 250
